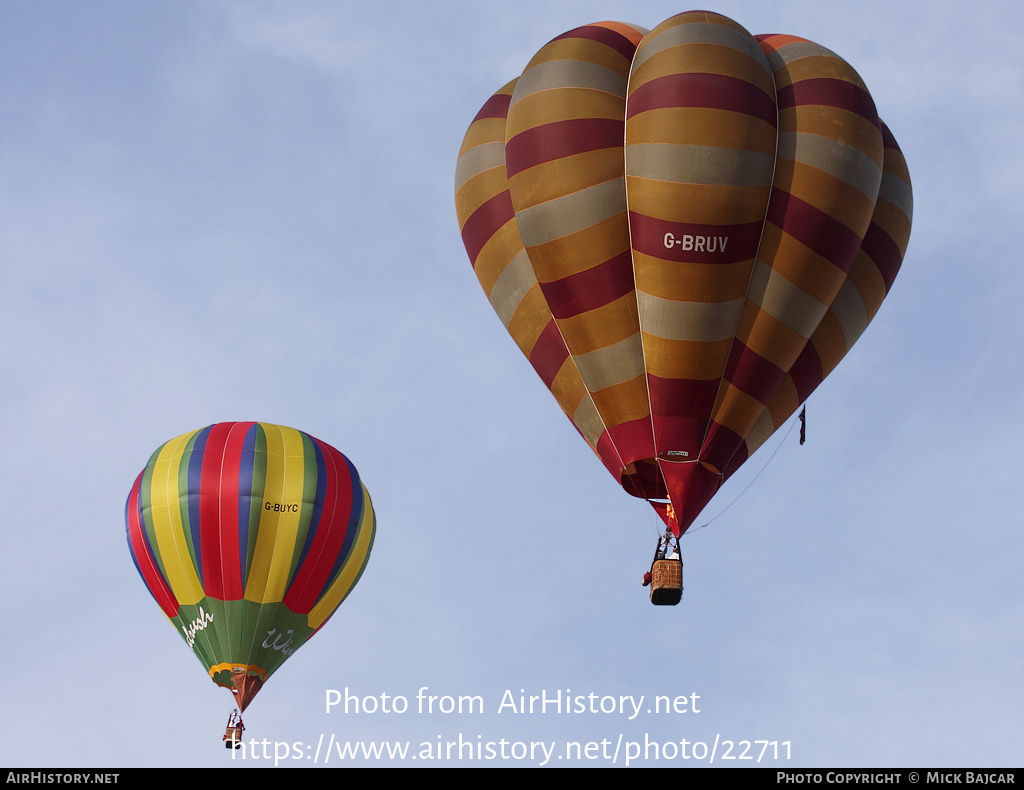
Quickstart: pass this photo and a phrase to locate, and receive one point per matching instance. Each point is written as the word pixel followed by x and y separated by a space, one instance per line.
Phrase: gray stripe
pixel 570 213
pixel 568 74
pixel 514 282
pixel 798 50
pixel 836 158
pixel 898 192
pixel 477 160
pixel 614 364
pixel 759 432
pixel 849 310
pixel 588 420
pixel 700 321
pixel 784 301
pixel 699 164
pixel 700 33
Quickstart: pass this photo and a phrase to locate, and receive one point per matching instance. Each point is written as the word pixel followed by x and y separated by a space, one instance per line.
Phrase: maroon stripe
pixel 806 372
pixel 716 91
pixel 830 93
pixel 735 461
pixel 494 107
pixel 811 226
pixel 548 354
pixel 218 489
pixel 887 137
pixel 633 440
pixel 751 373
pixel 560 139
pixel 681 410
pixel 691 398
pixel 721 446
pixel 485 222
pixel 592 288
pixel 610 458
pixel 679 433
pixel 145 562
pixel 880 247
pixel 684 241
pixel 603 35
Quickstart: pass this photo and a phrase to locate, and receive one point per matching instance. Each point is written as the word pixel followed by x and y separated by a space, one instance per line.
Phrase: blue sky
pixel 215 211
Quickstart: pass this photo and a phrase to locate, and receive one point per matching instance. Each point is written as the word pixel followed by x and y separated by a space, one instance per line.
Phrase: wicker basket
pixel 233 738
pixel 666 582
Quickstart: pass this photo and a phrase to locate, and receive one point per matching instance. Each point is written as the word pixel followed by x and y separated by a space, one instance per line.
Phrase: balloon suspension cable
pixel 801 420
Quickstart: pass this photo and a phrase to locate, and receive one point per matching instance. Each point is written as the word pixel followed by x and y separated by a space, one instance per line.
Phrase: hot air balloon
pixel 249 536
pixel 684 230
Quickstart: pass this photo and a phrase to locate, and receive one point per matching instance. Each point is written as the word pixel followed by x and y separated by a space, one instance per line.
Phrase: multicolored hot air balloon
pixel 684 230
pixel 249 536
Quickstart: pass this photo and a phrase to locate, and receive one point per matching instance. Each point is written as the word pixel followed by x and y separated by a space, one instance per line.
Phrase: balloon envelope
pixel 684 230
pixel 249 536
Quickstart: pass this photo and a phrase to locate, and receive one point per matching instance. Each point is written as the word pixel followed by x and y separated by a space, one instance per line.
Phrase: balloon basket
pixel 233 738
pixel 666 582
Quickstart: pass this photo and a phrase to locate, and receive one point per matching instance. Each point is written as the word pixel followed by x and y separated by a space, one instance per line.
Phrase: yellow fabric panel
pixel 623 402
pixel 561 104
pixel 701 58
pixel 496 253
pixel 736 410
pixel 893 221
pixel 172 546
pixel 276 541
pixel 580 251
pixel 824 66
pixel 602 326
pixel 485 130
pixel 581 49
pixel 781 407
pixel 701 126
pixel 866 278
pixel 529 320
pixel 828 193
pixel 697 203
pixel 686 359
pixel 479 189
pixel 769 338
pixel 830 342
pixel 896 164
pixel 564 176
pixel 567 387
pixel 689 282
pixel 814 275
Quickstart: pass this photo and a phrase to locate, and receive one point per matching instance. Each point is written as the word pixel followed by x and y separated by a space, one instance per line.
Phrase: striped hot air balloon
pixel 684 230
pixel 249 536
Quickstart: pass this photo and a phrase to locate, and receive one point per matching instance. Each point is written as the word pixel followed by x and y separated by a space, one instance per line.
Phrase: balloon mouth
pixel 234 671
pixel 691 483
pixel 244 682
